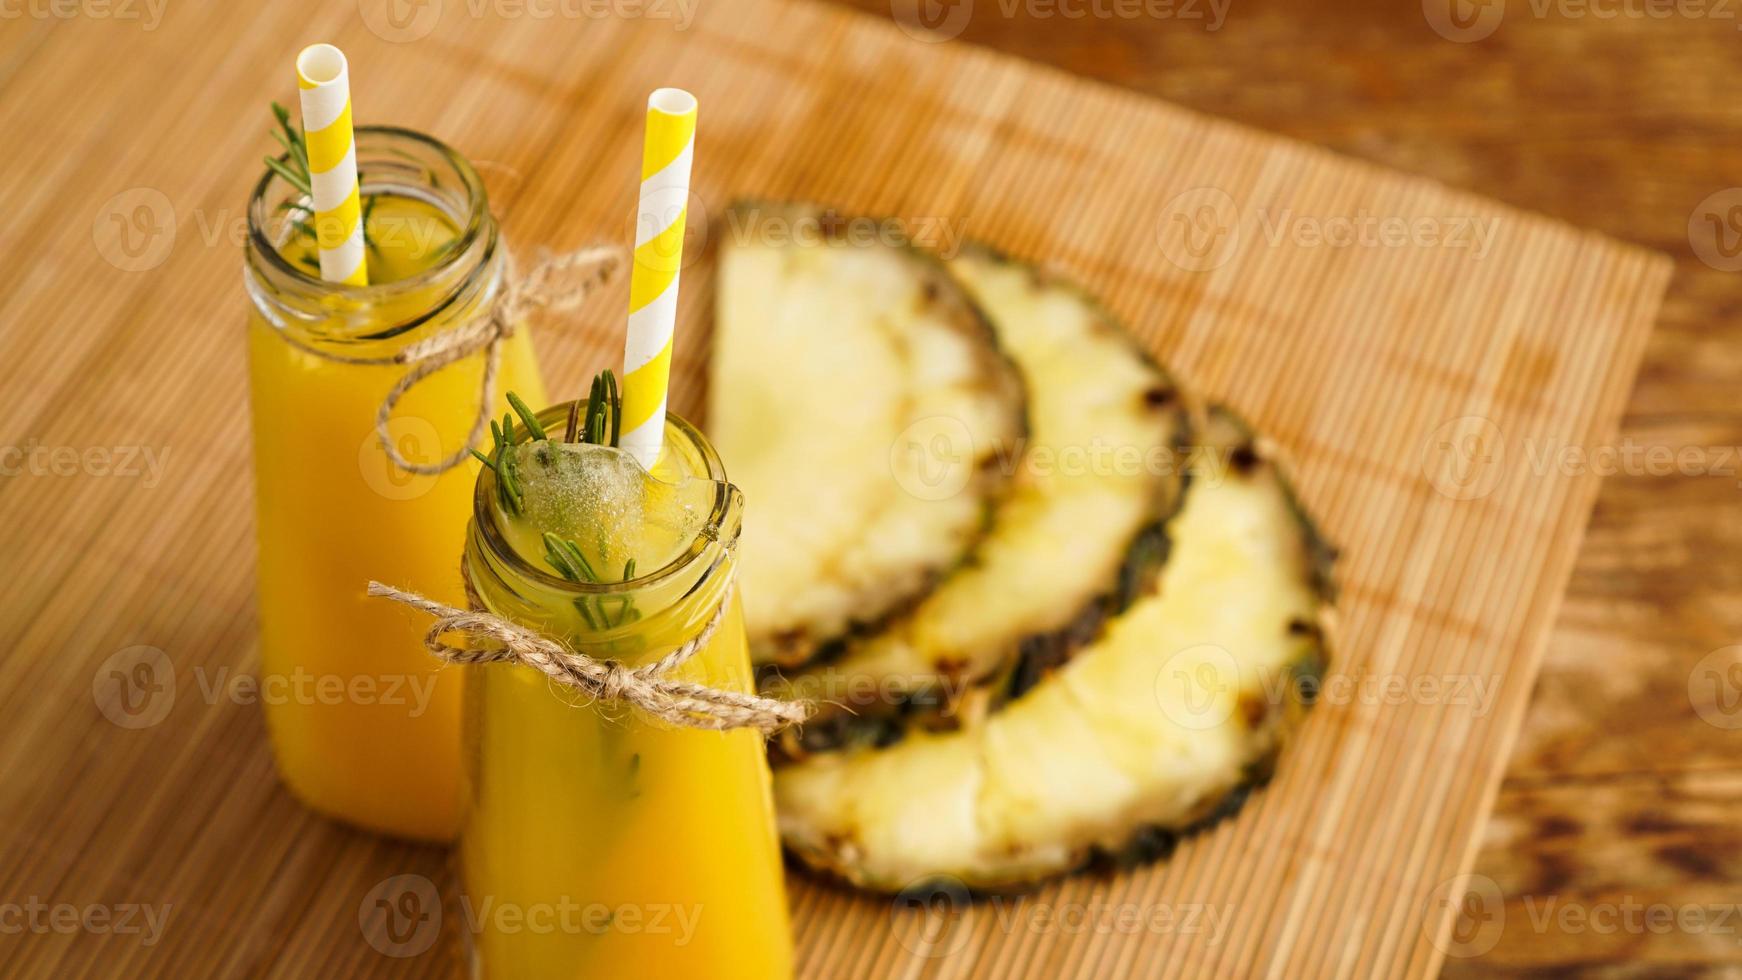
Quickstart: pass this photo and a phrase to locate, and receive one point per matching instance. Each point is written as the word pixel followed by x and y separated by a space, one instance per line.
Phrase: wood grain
pixel 1371 363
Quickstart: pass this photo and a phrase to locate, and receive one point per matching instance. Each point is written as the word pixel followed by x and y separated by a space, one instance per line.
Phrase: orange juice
pixel 364 724
pixel 599 842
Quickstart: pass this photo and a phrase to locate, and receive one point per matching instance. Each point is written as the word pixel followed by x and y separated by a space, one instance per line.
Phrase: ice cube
pixel 609 505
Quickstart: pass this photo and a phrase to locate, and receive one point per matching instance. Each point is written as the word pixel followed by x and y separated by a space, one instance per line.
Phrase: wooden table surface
pixel 1626 785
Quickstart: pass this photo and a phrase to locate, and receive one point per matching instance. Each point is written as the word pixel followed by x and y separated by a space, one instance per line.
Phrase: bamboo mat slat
pixel 1372 364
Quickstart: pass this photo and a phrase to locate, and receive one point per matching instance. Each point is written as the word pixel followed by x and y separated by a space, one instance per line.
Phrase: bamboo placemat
pixel 1422 366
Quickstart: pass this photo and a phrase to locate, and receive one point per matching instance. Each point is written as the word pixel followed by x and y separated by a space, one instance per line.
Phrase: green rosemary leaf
pixel 527 417
pixel 487 461
pixel 614 400
pixel 290 153
pixel 295 179
pixel 580 560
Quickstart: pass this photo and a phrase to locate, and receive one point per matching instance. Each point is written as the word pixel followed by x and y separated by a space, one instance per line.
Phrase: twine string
pixel 550 286
pixel 648 688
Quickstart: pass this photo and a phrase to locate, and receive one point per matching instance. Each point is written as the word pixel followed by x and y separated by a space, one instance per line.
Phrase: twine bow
pixel 541 289
pixel 646 687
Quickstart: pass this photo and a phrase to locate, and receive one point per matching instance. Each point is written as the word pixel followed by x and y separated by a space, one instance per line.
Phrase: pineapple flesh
pixel 848 526
pixel 1071 543
pixel 1154 727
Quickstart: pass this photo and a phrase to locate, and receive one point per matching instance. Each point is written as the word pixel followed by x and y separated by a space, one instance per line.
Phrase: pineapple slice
pixel 856 510
pixel 1073 542
pixel 1154 728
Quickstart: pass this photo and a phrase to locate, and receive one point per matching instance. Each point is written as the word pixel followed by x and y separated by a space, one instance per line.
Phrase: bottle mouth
pixel 714 541
pixel 391 161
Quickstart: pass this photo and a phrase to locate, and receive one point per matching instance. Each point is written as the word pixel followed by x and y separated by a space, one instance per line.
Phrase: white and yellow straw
pixel 324 81
pixel 653 283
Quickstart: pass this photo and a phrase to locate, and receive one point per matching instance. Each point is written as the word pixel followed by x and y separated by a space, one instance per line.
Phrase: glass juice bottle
pixel 597 841
pixel 364 725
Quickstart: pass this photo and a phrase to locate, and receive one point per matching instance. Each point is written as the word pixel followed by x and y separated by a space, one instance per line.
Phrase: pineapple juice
pixel 598 842
pixel 365 725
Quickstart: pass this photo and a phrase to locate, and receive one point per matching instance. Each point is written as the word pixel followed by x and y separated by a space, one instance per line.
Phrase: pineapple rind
pixel 1161 723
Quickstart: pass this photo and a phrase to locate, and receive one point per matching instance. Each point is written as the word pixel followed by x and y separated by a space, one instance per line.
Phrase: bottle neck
pixel 671 604
pixel 379 319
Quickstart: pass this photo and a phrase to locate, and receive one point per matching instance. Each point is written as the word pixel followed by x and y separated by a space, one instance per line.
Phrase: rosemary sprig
pixel 564 555
pixel 294 168
pixel 510 495
pixel 601 422
pixel 598 422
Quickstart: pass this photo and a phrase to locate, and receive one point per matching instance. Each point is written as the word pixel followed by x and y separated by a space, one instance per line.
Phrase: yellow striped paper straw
pixel 324 82
pixel 659 226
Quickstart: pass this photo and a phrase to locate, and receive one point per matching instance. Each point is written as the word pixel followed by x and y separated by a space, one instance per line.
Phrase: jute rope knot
pixel 646 687
pixel 544 288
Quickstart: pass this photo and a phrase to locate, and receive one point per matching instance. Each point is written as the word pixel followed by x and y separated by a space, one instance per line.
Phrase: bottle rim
pixel 721 527
pixel 304 296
